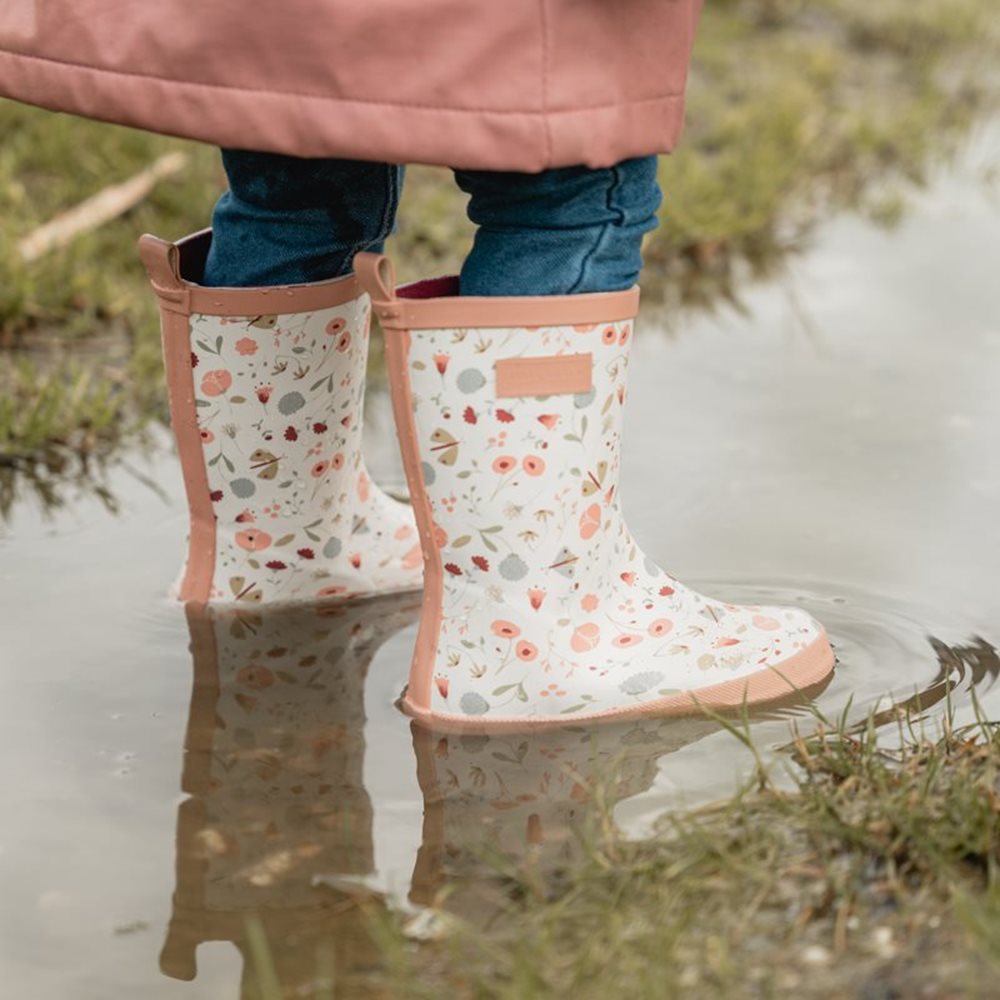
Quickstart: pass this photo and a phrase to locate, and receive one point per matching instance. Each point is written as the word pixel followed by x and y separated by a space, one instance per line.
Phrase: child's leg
pixel 569 230
pixel 286 220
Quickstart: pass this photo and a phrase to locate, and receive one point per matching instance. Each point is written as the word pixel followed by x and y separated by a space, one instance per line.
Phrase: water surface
pixel 837 445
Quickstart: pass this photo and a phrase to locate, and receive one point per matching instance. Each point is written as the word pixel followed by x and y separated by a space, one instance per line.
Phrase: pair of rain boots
pixel 539 607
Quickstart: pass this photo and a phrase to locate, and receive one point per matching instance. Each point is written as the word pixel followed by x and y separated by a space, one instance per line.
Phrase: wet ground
pixel 841 441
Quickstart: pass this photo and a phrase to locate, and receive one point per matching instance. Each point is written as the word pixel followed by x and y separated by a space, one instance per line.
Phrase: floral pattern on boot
pixel 279 404
pixel 550 609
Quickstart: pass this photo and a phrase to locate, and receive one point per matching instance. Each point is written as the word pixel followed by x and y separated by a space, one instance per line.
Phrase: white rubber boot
pixel 540 608
pixel 266 391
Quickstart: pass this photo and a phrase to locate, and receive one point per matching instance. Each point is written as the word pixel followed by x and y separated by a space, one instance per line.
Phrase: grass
pixel 876 875
pixel 873 872
pixel 798 107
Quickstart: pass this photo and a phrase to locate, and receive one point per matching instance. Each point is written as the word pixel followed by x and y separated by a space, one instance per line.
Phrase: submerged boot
pixel 539 607
pixel 266 390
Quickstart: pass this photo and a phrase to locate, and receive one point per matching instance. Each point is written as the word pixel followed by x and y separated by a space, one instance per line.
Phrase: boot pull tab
pixel 162 262
pixel 378 278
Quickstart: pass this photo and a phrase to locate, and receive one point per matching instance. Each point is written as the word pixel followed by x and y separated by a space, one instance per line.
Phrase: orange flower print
pixel 216 382
pixel 355 559
pixel 624 641
pixel 504 464
pixel 623 336
pixel 343 342
pixel 628 577
pixel 609 336
pixel 335 326
pixel 337 462
pixel 440 536
pixel 526 651
pixel 441 362
pixel 533 465
pixel 660 628
pixel 363 485
pixel 255 677
pixel 549 420
pixel 536 596
pixel 246 346
pixel 335 590
pixel 724 641
pixel 766 623
pixel 505 629
pixel 441 683
pixel 207 437
pixel 253 540
pixel 589 602
pixel 585 637
pixel 590 521
pixel 319 469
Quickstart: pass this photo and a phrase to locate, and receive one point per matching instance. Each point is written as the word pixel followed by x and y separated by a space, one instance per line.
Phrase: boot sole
pixel 797 679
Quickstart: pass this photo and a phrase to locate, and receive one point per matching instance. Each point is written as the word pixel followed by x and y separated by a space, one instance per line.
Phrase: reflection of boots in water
pixel 273 767
pixel 530 804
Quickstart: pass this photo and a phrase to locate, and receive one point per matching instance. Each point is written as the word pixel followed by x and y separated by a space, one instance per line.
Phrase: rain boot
pixel 539 606
pixel 266 389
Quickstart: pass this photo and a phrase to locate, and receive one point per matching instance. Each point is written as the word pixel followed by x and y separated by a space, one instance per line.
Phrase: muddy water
pixel 838 446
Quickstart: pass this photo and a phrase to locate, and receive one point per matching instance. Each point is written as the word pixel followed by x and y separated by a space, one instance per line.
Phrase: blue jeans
pixel 570 230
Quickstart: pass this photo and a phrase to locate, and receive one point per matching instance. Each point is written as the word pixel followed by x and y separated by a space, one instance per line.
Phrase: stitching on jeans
pixel 239 88
pixel 612 188
pixel 388 212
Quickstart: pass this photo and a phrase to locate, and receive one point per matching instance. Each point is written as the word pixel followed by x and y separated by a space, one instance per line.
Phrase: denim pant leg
pixel 286 220
pixel 562 231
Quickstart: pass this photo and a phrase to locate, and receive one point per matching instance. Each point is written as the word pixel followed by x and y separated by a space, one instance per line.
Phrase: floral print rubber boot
pixel 540 607
pixel 277 825
pixel 266 389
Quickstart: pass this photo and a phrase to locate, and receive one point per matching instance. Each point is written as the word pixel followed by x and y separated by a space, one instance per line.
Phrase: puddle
pixel 839 449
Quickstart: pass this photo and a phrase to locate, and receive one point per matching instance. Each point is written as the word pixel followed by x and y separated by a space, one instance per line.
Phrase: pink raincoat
pixel 490 84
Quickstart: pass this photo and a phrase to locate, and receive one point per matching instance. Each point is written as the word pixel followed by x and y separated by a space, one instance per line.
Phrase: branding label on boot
pixel 556 375
pixel 18 18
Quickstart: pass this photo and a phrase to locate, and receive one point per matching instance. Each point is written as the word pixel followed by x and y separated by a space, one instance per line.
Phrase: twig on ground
pixel 99 209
